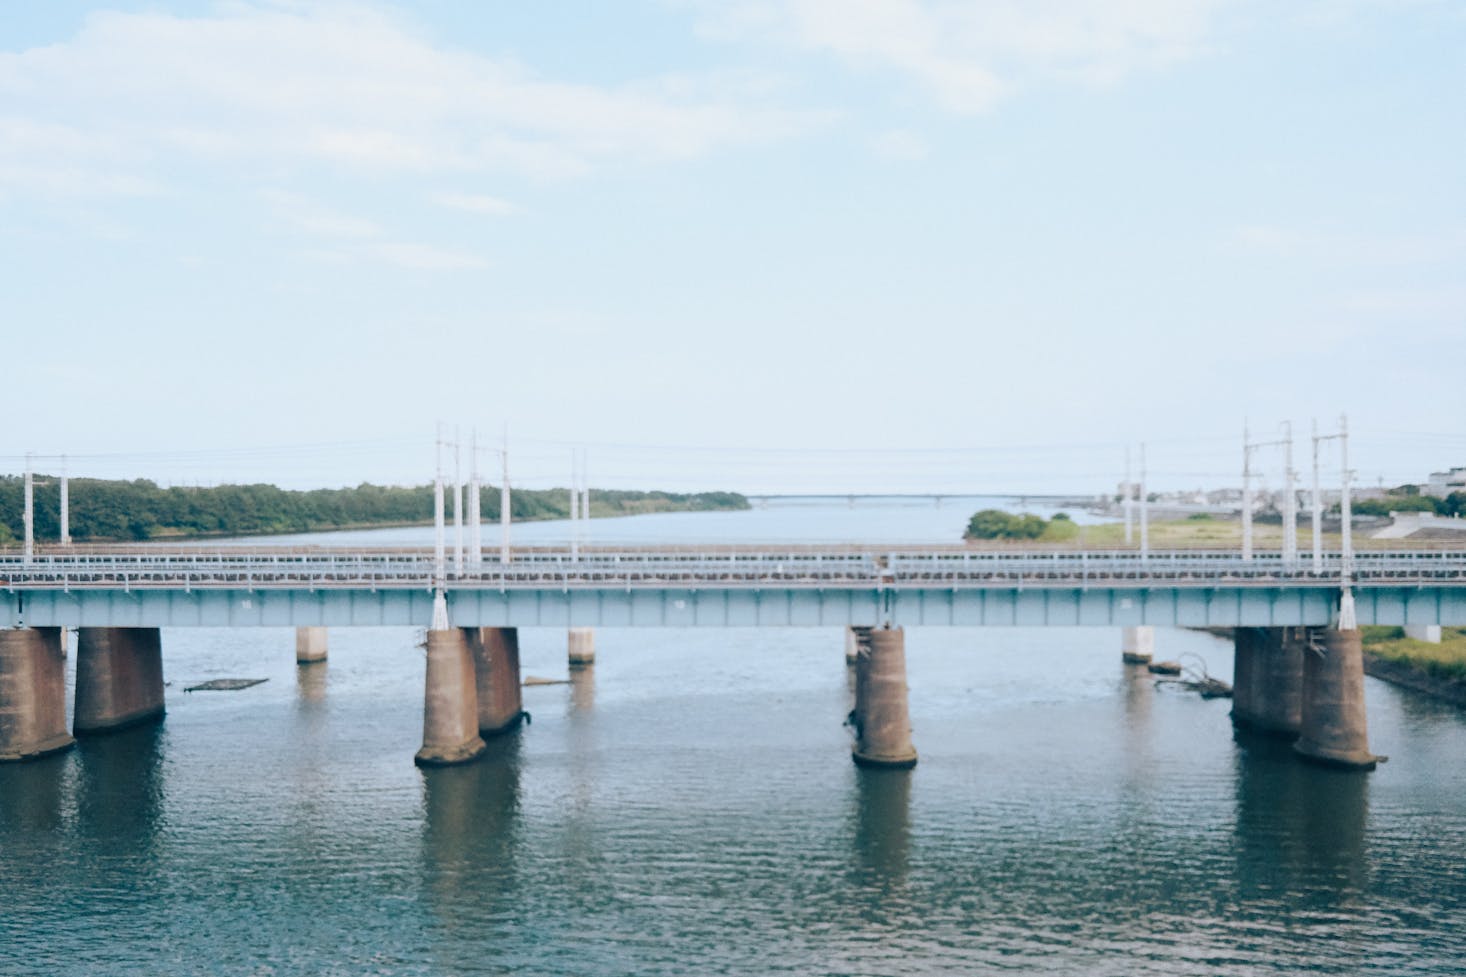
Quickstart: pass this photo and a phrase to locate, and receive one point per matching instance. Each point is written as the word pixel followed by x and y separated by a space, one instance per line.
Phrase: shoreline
pixel 1408 676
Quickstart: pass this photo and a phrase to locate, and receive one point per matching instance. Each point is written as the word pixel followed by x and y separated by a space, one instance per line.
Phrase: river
pixel 689 807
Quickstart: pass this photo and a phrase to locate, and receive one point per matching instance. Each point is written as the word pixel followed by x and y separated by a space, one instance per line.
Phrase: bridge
pixel 1298 667
pixel 738 586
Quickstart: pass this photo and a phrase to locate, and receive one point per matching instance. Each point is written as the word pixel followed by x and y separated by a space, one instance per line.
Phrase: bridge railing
pixel 873 567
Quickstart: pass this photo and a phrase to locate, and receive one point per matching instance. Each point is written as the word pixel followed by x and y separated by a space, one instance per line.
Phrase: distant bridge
pixel 868 585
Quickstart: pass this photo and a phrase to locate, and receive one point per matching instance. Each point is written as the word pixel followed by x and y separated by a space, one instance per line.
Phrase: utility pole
pixel 1290 501
pixel 504 508
pixel 30 510
pixel 1248 447
pixel 1129 490
pixel 1347 620
pixel 574 505
pixel 1246 493
pixel 457 504
pixel 585 493
pixel 1317 514
pixel 439 544
pixel 1144 510
pixel 1346 477
pixel 475 506
pixel 65 506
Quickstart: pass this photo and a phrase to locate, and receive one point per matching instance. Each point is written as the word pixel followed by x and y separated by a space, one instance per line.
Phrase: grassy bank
pixel 1446 660
pixel 1183 534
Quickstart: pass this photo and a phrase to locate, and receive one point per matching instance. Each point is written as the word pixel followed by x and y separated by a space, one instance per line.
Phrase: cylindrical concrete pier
pixel 496 666
pixel 450 700
pixel 310 645
pixel 1267 686
pixel 582 647
pixel 1137 644
pixel 32 693
pixel 119 678
pixel 856 637
pixel 882 721
pixel 1245 651
pixel 1333 728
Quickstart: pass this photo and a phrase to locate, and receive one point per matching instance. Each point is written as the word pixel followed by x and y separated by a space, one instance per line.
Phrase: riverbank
pixel 1191 533
pixel 118 511
pixel 1438 670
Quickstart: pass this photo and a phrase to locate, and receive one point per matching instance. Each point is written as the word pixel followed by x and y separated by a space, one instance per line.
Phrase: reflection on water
pixel 120 789
pixel 31 796
pixel 310 683
pixel 582 690
pixel 470 824
pixel 1301 827
pixel 882 836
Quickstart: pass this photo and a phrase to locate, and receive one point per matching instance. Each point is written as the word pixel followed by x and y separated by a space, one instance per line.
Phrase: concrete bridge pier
pixel 496 670
pixel 582 647
pixel 881 718
pixel 119 678
pixel 32 694
pixel 450 700
pixel 1267 680
pixel 1137 644
pixel 856 637
pixel 1333 729
pixel 310 645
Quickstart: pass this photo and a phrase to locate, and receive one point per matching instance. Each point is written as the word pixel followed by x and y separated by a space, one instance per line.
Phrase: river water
pixel 689 807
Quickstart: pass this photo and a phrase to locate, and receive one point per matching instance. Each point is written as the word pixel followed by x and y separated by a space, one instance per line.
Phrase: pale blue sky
pixel 951 245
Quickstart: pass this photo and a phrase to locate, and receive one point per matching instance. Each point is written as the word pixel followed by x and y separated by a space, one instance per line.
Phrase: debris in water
pixel 1165 668
pixel 1194 678
pixel 225 684
pixel 537 680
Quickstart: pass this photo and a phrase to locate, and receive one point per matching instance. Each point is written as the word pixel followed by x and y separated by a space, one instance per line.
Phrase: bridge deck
pixel 147 586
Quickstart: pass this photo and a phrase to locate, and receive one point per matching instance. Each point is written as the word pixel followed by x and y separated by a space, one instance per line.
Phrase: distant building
pixel 1442 484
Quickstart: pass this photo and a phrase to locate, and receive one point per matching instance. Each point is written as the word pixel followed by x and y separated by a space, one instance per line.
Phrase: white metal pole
pixel 65 504
pixel 1345 511
pixel 1144 509
pixel 1126 501
pixel 574 505
pixel 439 544
pixel 30 510
pixel 505 511
pixel 475 506
pixel 1346 571
pixel 1317 514
pixel 585 494
pixel 1246 495
pixel 1290 500
pixel 457 502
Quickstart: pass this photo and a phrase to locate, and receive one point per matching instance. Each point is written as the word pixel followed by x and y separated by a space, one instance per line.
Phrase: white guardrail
pixel 838 567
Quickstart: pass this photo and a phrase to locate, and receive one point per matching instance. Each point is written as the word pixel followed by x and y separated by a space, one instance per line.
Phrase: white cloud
pixel 970 55
pixel 424 257
pixel 1351 247
pixel 341 85
pixel 900 144
pixel 475 203
pixel 310 217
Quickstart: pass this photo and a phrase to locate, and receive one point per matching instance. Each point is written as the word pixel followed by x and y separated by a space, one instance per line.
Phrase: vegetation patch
pixel 137 510
pixel 1446 660
pixel 997 524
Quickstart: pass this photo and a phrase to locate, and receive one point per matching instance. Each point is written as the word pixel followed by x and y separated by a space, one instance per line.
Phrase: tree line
pixel 1452 505
pixel 104 509
pixel 997 524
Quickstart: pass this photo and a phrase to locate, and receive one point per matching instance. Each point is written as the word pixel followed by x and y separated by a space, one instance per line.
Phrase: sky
pixel 762 245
